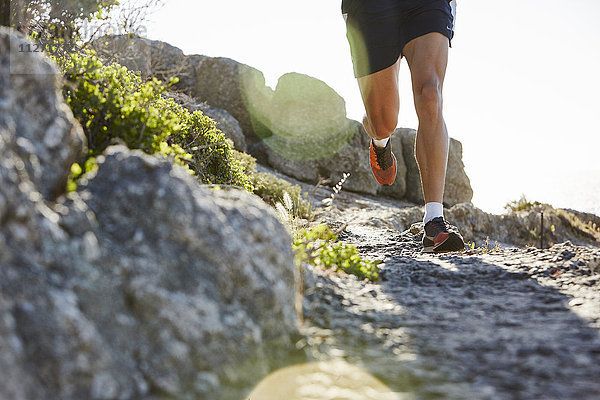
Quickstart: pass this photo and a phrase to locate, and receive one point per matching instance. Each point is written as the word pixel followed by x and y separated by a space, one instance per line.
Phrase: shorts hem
pixel 448 34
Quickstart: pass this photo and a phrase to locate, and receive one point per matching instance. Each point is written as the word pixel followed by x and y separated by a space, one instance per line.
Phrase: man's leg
pixel 381 99
pixel 379 92
pixel 427 58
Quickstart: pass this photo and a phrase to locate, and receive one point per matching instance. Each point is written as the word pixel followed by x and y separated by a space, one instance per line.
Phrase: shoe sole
pixel 452 243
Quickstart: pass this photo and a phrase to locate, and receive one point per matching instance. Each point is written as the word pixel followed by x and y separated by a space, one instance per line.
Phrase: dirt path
pixel 519 323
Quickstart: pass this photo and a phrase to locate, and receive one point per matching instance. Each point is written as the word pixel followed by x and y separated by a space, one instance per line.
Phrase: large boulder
pixel 151 58
pixel 312 139
pixel 306 118
pixel 233 86
pixel 458 187
pixel 141 285
pixel 207 281
pixel 33 114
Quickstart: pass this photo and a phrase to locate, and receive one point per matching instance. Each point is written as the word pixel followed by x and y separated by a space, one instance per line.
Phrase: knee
pixel 380 126
pixel 428 100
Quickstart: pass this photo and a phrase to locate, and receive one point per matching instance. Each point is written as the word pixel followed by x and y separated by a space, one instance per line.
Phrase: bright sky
pixel 521 91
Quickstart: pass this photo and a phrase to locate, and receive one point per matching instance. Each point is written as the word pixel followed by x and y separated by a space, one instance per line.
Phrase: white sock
pixel 382 142
pixel 433 210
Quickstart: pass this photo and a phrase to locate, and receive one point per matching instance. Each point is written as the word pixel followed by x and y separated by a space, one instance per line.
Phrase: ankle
pixel 433 210
pixel 382 142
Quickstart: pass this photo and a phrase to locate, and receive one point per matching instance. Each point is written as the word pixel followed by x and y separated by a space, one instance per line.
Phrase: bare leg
pixel 380 96
pixel 427 58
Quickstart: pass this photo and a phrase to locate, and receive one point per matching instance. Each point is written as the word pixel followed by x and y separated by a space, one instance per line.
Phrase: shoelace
pixel 383 156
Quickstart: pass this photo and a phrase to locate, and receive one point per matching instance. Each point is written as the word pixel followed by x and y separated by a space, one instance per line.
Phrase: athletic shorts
pixel 378 30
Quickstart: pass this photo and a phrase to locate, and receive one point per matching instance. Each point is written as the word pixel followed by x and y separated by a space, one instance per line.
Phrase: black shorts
pixel 378 30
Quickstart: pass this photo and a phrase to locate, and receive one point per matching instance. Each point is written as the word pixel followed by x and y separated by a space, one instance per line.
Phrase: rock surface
pixel 151 58
pixel 141 285
pixel 306 119
pixel 33 115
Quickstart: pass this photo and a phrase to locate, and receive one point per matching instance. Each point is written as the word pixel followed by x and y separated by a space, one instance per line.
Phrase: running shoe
pixel 383 163
pixel 439 237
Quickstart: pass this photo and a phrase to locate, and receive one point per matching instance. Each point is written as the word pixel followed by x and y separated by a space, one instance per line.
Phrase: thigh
pixel 427 58
pixel 379 91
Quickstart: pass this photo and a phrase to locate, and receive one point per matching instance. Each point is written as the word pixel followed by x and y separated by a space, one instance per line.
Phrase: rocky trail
pixel 503 323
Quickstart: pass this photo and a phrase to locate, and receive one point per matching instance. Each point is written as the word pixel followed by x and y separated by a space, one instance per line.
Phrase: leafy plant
pixel 113 106
pixel 57 26
pixel 285 210
pixel 64 15
pixel 273 190
pixel 90 165
pixel 485 248
pixel 319 246
pixel 524 205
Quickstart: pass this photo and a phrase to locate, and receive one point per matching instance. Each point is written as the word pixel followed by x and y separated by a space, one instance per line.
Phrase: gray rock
pixel 235 87
pixel 151 58
pixel 172 290
pixel 40 125
pixel 141 285
pixel 228 125
pixel 307 119
pixel 199 298
pixel 522 227
pixel 458 187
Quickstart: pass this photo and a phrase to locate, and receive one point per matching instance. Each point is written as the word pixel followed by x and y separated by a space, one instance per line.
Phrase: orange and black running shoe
pixel 439 238
pixel 383 163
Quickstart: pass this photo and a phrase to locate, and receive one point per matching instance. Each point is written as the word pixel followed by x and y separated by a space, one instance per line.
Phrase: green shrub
pixel 272 190
pixel 114 106
pixel 524 205
pixel 318 246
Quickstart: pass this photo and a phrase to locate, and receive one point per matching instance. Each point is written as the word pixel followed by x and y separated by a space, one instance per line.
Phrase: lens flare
pixel 324 380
